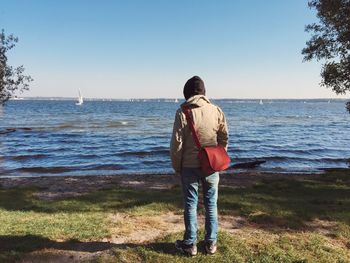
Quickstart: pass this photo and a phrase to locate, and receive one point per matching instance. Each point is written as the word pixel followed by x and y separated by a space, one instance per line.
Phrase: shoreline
pixel 58 186
pixel 276 170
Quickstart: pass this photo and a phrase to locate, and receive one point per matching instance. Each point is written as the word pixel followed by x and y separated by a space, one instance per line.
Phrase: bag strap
pixel 187 111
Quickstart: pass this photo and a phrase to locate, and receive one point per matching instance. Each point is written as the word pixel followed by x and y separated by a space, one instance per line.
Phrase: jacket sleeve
pixel 176 144
pixel 222 135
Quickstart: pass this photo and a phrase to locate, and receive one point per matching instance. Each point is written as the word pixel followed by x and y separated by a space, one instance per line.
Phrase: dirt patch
pixel 142 229
pixel 129 231
pixel 58 256
pixel 324 227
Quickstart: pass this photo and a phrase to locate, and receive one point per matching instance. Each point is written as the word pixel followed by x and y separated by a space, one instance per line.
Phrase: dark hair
pixel 194 86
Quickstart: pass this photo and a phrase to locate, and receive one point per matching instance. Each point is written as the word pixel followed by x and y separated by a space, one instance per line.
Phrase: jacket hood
pixel 197 100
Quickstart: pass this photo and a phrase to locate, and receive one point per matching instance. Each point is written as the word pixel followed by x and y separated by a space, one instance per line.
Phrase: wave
pixel 48 170
pixel 87 156
pixel 39 129
pixel 136 153
pixel 119 124
pixel 73 126
pixel 65 169
pixel 27 157
pixel 321 159
pixel 156 163
pixel 145 153
pixel 13 129
pixel 291 159
pixel 107 167
pixel 8 130
pixel 67 126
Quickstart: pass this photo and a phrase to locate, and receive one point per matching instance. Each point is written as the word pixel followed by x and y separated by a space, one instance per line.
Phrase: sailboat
pixel 261 102
pixel 80 99
pixel 176 101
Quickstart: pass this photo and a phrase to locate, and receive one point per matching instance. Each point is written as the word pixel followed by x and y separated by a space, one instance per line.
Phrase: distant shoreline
pixel 166 99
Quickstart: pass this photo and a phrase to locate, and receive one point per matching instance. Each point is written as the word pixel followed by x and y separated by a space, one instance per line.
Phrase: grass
pixel 289 202
pixel 82 218
pixel 260 247
pixel 278 215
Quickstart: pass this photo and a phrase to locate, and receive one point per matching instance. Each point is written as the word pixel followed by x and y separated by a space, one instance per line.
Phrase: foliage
pixel 330 41
pixel 12 79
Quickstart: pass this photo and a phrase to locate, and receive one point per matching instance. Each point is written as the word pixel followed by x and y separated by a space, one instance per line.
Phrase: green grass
pixel 289 203
pixel 261 247
pixel 83 217
pixel 277 212
pixel 28 223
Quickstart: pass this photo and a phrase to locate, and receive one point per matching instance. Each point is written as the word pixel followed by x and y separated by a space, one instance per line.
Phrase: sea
pixel 110 137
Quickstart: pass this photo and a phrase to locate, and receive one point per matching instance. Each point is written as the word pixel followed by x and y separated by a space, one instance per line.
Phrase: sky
pixel 148 49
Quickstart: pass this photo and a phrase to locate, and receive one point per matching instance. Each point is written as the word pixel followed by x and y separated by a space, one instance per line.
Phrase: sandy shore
pixel 55 187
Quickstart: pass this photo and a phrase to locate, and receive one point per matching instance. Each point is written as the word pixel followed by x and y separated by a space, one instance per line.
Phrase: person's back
pixel 211 127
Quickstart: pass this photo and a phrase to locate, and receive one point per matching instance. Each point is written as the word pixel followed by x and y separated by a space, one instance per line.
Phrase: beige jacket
pixel 211 127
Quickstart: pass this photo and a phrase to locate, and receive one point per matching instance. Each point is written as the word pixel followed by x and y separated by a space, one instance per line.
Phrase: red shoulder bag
pixel 212 158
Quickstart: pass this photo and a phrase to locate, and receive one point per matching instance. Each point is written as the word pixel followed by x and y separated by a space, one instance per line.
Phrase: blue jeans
pixel 190 178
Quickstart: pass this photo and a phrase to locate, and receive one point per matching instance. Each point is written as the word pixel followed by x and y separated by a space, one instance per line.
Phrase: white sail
pixel 261 102
pixel 80 99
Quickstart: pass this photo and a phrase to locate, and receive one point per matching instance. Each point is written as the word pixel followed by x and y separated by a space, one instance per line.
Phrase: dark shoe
pixel 190 250
pixel 210 247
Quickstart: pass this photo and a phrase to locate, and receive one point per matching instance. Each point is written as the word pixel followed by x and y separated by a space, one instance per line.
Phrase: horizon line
pixel 169 98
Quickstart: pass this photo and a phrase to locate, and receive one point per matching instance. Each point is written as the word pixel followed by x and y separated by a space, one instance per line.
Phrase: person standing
pixel 211 127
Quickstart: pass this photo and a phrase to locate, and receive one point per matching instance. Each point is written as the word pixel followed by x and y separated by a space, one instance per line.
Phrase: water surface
pixel 51 137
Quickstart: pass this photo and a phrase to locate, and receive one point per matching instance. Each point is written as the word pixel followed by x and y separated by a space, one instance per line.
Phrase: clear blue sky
pixel 145 49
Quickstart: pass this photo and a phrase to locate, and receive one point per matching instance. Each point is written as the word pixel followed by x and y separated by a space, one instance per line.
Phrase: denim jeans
pixel 191 177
